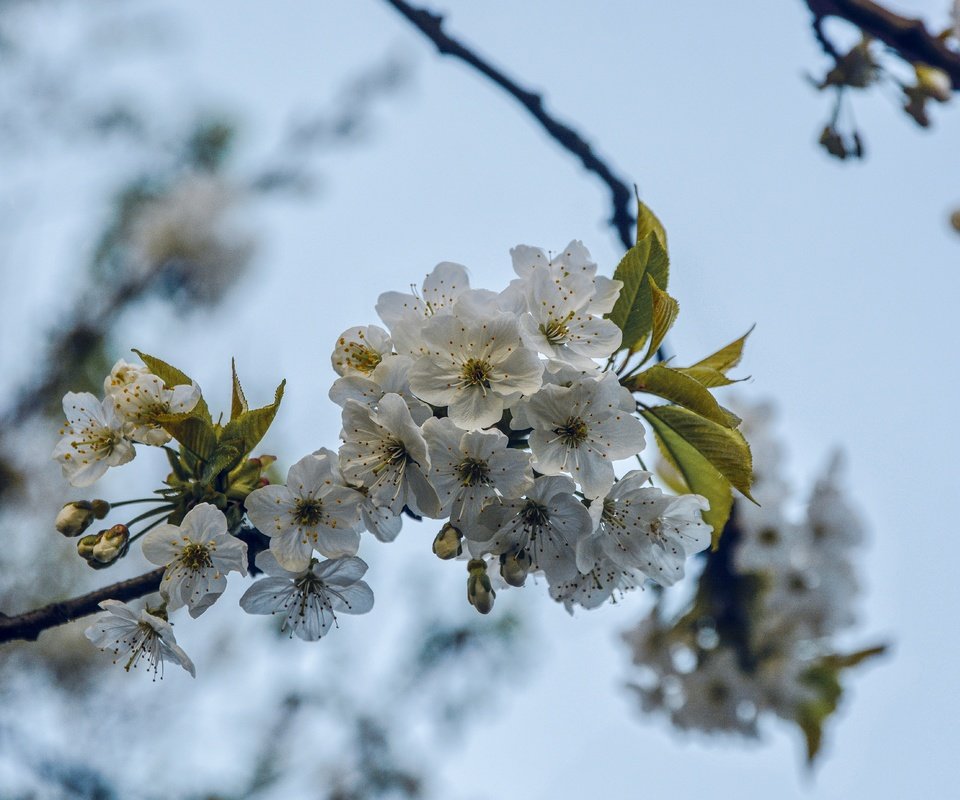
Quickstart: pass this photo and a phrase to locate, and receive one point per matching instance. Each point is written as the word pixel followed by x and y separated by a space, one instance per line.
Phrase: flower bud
pixel 955 220
pixel 447 544
pixel 933 82
pixel 480 592
pixel 104 548
pixel 74 518
pixel 514 567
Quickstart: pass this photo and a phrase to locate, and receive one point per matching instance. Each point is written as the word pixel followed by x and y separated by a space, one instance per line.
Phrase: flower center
pixel 476 372
pixel 363 358
pixel 534 515
pixel 556 331
pixel 195 557
pixel 308 512
pixel 573 432
pixel 472 471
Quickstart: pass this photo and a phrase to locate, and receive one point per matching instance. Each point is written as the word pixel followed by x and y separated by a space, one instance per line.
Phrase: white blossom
pixel 385 451
pixel 122 374
pixel 639 527
pixel 131 635
pixel 360 350
pixel 559 302
pixel 389 377
pixel 718 696
pixel 405 314
pixel 581 430
pixel 308 599
pixel 198 553
pixel 471 469
pixel 475 366
pixel 312 511
pixel 92 440
pixel 545 525
pixel 142 402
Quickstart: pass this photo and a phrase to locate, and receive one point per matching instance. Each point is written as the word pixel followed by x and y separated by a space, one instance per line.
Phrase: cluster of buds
pixel 759 636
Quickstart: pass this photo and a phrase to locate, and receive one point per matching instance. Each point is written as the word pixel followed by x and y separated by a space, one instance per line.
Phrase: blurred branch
pixel 907 36
pixel 431 26
pixel 30 625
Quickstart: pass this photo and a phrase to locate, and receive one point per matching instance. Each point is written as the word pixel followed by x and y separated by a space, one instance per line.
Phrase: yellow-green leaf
pixel 858 657
pixel 725 448
pixel 672 385
pixel 726 357
pixel 171 377
pixel 195 433
pixel 707 376
pixel 238 403
pixel 246 431
pixel 700 476
pixel 647 223
pixel 633 312
pixel 665 311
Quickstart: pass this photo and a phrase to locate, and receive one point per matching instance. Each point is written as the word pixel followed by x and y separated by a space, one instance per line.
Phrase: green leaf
pixel 647 223
pixel 858 657
pixel 726 357
pixel 665 311
pixel 725 448
pixel 238 403
pixel 246 431
pixel 633 312
pixel 683 390
pixel 171 377
pixel 226 456
pixel 707 376
pixel 194 433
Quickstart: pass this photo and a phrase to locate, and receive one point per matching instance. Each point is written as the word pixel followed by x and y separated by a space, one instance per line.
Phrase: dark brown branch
pixel 30 625
pixel 908 37
pixel 431 25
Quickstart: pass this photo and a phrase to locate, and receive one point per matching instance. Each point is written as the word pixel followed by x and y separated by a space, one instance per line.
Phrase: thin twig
pixel 431 25
pixel 907 36
pixel 30 625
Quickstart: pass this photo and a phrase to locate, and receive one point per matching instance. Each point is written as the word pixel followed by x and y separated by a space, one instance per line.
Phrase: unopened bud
pixel 955 220
pixel 104 548
pixel 74 518
pixel 832 142
pixel 514 567
pixel 933 82
pixel 480 592
pixel 447 543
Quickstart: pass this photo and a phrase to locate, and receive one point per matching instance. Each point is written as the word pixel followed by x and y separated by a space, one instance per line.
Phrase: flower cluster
pixel 759 635
pixel 491 411
pixel 100 434
pixel 499 413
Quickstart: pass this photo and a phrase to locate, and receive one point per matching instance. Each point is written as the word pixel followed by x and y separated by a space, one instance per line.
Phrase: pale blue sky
pixel 849 271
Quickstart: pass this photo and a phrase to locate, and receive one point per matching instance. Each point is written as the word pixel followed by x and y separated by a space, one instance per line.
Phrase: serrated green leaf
pixel 726 357
pixel 246 431
pixel 238 403
pixel 195 433
pixel 700 476
pixel 665 311
pixel 725 448
pixel 171 377
pixel 707 376
pixel 672 385
pixel 633 312
pixel 647 223
pixel 226 456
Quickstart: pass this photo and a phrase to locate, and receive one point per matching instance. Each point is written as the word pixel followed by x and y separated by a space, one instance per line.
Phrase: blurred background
pixel 239 179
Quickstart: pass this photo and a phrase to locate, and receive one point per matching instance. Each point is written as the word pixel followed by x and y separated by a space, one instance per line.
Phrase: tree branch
pixel 908 37
pixel 30 625
pixel 431 25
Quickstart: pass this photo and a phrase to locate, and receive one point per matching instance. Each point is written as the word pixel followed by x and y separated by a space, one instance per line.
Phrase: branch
pixel 30 625
pixel 431 25
pixel 908 37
